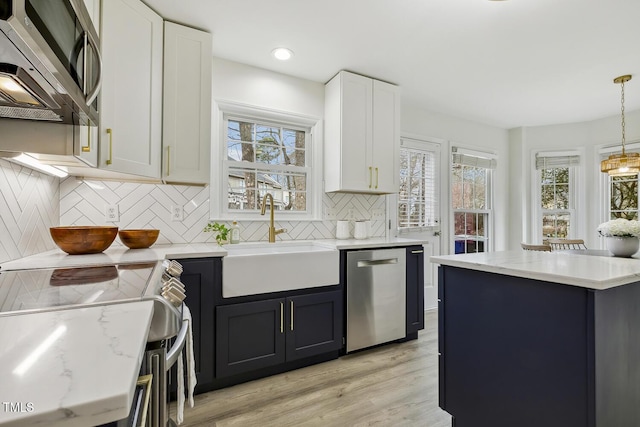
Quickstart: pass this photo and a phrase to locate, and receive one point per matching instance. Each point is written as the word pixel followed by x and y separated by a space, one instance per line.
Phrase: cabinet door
pixel 415 289
pixel 314 324
pixel 348 116
pixel 249 336
pixel 199 278
pixel 385 147
pixel 356 132
pixel 131 95
pixel 186 135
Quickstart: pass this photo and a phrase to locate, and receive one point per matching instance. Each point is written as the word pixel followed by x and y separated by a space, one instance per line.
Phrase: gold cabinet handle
pixel 281 317
pixel 417 252
pixel 370 176
pixel 110 133
pixel 292 315
pixel 377 176
pixel 168 160
pixel 87 148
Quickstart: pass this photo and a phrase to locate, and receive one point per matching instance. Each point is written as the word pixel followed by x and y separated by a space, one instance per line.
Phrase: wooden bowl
pixel 79 239
pixel 138 239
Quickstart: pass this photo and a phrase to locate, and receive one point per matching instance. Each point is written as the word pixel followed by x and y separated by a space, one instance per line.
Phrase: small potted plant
pixel 621 236
pixel 221 230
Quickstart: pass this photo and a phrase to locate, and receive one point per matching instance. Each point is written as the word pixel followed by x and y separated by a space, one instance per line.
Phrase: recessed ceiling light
pixel 282 53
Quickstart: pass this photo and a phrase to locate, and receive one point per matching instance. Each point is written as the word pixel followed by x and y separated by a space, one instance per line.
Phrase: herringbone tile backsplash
pixel 148 206
pixel 29 205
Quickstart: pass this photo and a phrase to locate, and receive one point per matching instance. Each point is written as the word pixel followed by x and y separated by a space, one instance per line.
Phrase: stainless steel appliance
pixel 50 65
pixel 376 297
pixel 34 290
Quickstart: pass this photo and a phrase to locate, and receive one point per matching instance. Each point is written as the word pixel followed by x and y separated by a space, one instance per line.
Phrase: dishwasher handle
pixel 374 262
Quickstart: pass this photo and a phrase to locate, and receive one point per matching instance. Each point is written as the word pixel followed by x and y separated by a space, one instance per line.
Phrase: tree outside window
pixel 555 202
pixel 624 197
pixel 417 199
pixel 470 202
pixel 264 158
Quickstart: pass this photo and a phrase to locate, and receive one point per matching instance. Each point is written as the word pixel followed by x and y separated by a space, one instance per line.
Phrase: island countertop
pixel 592 272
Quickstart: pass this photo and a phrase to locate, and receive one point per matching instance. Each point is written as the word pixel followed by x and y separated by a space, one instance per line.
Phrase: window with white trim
pixel 556 203
pixel 265 158
pixel 418 197
pixel 274 160
pixel 471 197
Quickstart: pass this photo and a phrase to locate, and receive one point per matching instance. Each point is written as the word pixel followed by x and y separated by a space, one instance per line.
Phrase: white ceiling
pixel 504 63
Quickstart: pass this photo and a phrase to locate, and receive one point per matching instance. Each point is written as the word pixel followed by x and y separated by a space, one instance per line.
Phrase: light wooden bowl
pixel 87 239
pixel 138 239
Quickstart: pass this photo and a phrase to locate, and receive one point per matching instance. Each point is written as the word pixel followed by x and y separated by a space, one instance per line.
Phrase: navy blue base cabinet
pixel 528 353
pixel 415 290
pixel 200 277
pixel 255 335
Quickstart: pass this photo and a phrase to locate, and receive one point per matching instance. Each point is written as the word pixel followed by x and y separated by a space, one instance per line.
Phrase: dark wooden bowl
pixel 83 239
pixel 138 239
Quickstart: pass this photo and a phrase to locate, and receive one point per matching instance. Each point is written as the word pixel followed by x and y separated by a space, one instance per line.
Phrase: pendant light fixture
pixel 625 163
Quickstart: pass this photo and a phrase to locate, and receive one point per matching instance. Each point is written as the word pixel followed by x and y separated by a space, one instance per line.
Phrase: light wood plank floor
pixel 394 385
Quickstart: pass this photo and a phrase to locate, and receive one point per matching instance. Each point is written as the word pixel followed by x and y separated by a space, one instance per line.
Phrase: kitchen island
pixel 534 339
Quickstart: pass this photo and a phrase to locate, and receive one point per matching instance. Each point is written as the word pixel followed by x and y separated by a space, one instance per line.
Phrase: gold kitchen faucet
pixel 272 229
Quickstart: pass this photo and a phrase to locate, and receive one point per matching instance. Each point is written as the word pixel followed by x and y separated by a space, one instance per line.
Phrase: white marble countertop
pixel 593 272
pixel 71 367
pixel 119 254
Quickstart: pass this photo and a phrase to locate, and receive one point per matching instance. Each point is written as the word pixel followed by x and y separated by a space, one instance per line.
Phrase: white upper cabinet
pixel 186 138
pixel 131 94
pixel 362 135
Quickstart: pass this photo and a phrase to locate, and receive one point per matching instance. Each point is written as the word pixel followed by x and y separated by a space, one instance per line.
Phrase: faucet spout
pixel 272 229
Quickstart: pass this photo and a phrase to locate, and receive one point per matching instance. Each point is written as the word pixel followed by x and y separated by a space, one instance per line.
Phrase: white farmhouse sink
pixel 258 268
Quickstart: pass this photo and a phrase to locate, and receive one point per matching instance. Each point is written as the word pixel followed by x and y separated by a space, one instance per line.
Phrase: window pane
pixel 418 201
pixel 624 197
pixel 403 214
pixel 240 151
pixel 268 153
pixel 548 197
pixel 562 196
pixel 556 225
pixel 456 187
pixel 548 176
pixel 561 175
pixel 480 190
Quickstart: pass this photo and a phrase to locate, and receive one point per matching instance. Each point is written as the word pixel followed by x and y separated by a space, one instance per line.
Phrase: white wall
pixel 253 86
pixel 588 137
pixel 463 133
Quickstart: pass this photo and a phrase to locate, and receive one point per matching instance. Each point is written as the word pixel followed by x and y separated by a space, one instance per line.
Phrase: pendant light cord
pixel 622 114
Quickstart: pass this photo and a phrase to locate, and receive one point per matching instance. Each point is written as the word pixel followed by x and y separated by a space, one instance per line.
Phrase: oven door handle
pixel 178 345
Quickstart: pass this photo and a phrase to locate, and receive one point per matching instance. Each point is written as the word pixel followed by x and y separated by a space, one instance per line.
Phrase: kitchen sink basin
pixel 257 268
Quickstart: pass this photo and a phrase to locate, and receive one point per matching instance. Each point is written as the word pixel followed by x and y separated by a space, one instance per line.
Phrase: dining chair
pixel 566 244
pixel 528 247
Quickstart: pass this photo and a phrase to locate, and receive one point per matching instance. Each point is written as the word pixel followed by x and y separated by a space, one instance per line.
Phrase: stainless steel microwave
pixel 50 66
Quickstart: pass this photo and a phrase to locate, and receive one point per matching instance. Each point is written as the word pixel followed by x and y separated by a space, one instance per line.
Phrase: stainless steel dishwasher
pixel 376 297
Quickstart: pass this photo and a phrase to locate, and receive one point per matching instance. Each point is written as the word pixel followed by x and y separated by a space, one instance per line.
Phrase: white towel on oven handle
pixel 191 368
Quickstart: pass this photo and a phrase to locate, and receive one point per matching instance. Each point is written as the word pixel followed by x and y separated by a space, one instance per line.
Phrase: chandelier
pixel 624 163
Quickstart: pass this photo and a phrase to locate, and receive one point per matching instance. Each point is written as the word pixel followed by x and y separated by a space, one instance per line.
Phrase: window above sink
pixel 259 150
